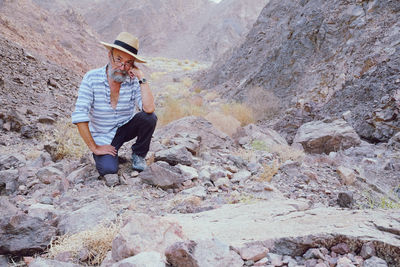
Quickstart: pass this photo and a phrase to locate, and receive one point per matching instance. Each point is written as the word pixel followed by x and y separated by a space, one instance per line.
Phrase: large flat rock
pixel 290 227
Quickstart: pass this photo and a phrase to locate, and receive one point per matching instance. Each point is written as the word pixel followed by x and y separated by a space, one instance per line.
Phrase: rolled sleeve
pixel 84 102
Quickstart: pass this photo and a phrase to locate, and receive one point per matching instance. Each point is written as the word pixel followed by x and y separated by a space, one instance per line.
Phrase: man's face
pixel 120 63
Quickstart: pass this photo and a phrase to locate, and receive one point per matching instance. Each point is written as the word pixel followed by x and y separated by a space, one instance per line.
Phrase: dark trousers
pixel 142 126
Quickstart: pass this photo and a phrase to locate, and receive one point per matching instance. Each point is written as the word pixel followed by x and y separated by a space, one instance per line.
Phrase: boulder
pixel 181 254
pixel 86 217
pixel 325 137
pixel 11 161
pixel 246 135
pixel 8 181
pixel 175 155
pixel 253 252
pixel 348 176
pixel 287 229
pixel 375 262
pixel 141 232
pixel 22 235
pixel 79 174
pixel 163 175
pixel 212 252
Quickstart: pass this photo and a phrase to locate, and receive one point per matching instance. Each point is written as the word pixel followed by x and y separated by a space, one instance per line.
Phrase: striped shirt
pixel 94 105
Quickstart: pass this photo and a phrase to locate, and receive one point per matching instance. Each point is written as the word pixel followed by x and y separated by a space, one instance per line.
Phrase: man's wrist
pixel 143 81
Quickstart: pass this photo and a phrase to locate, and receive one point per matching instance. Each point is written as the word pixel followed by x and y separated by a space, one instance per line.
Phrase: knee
pixel 106 164
pixel 148 118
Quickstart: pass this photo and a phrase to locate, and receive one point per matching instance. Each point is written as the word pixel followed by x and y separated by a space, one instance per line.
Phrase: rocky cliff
pixel 331 56
pixel 200 30
pixel 60 36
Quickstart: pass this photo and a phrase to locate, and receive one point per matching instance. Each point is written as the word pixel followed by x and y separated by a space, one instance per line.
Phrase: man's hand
pixel 105 150
pixel 135 72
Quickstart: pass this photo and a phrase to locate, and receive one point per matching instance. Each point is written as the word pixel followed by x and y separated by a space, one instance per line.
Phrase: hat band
pixel 126 46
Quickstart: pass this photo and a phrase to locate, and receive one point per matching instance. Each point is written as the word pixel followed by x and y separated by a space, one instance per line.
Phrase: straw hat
pixel 127 43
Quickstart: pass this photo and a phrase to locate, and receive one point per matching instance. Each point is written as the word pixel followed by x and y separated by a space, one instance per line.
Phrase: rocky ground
pixel 206 199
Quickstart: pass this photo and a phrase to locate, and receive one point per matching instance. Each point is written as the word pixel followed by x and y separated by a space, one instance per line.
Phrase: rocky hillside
pixel 328 57
pixel 60 36
pixel 200 30
pixel 33 93
pixel 207 198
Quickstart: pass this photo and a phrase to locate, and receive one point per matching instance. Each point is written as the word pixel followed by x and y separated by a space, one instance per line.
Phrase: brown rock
pixel 341 248
pixel 142 232
pixel 368 250
pixel 181 254
pixel 254 253
pixel 320 137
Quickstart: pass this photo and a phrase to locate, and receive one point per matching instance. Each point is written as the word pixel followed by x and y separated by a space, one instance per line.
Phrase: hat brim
pixel 109 46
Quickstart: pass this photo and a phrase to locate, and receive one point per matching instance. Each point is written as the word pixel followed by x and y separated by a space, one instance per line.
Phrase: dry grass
pixel 241 112
pixel 69 142
pixel 223 122
pixel 269 170
pixel 175 109
pixel 264 104
pixel 97 241
pixel 197 90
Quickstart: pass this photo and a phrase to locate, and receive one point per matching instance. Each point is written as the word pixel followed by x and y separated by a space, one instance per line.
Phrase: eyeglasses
pixel 120 64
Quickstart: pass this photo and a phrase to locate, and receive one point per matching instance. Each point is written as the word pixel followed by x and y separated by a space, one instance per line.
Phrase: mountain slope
pixel 193 29
pixel 308 51
pixel 62 37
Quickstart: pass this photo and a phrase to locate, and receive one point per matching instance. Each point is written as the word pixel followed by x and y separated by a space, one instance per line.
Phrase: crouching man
pixel 115 105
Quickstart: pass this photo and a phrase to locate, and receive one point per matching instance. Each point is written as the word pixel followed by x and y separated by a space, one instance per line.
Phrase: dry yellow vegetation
pixel 240 111
pixel 69 143
pixel 97 242
pixel 224 123
pixel 263 103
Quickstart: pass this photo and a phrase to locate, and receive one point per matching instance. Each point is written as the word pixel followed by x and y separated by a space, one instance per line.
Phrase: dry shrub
pixel 265 104
pixel 224 123
pixel 240 111
pixel 69 142
pixel 175 109
pixel 269 170
pixel 197 90
pixel 97 241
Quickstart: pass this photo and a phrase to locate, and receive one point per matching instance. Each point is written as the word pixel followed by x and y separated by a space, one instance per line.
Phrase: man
pixel 115 105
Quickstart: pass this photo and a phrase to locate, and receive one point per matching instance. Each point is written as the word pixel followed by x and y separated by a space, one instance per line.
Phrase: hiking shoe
pixel 138 163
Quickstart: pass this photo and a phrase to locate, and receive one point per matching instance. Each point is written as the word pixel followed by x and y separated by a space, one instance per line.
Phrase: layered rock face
pixel 344 54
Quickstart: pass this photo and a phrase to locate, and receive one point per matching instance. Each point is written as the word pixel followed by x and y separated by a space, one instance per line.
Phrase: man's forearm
pixel 147 98
pixel 83 128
